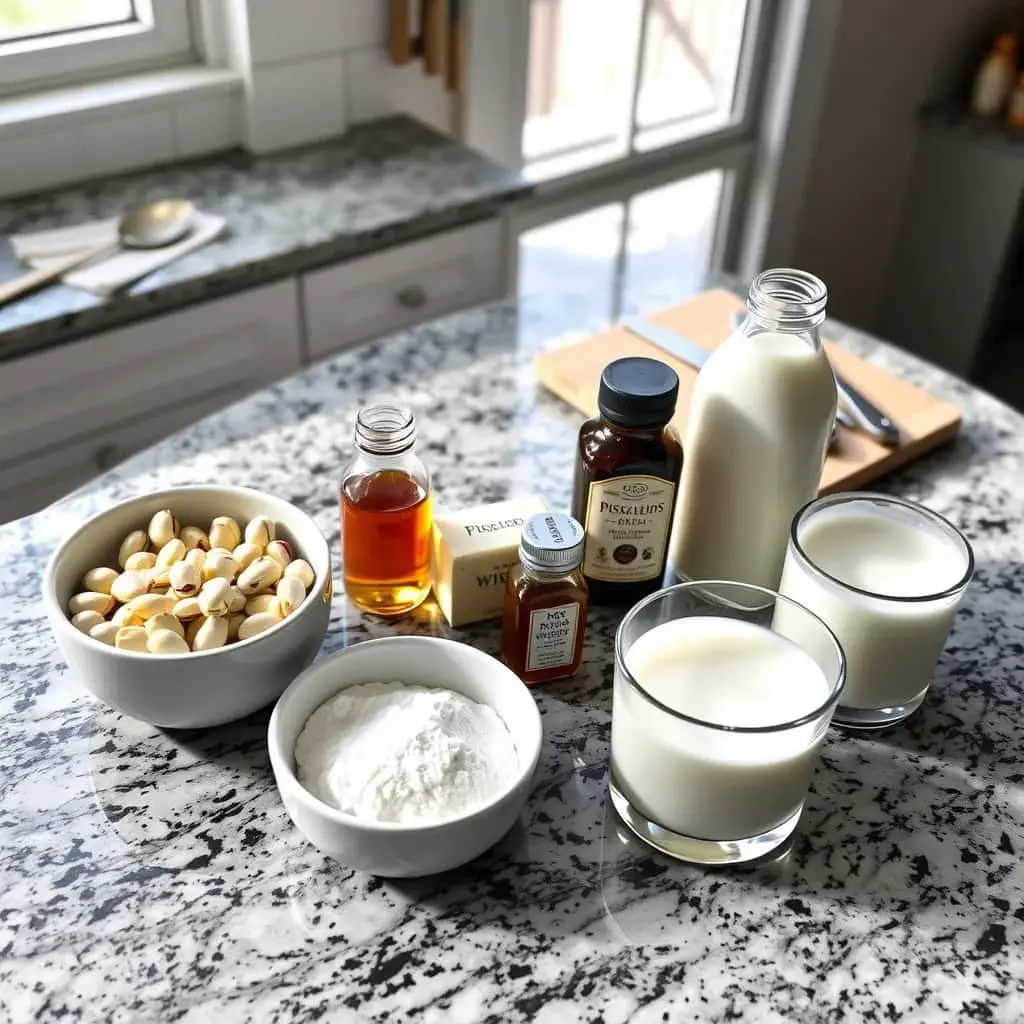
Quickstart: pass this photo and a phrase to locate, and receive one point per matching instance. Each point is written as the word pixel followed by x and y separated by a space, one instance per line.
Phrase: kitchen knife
pixel 863 414
pixel 678 345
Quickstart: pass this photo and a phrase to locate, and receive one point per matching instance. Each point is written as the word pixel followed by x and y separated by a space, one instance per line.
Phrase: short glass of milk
pixel 718 714
pixel 887 576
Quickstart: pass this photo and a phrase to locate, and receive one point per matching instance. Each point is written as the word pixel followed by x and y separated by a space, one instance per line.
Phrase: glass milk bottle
pixel 758 431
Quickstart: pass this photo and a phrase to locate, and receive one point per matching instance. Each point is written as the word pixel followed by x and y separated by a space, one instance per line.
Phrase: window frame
pixel 161 35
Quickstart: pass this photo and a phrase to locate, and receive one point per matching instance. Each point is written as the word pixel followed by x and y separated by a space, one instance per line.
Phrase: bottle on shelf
pixel 759 427
pixel 1015 111
pixel 994 80
pixel 386 515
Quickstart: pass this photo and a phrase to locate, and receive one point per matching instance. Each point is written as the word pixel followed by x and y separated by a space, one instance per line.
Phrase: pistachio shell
pixel 173 551
pixel 140 561
pixel 303 570
pixel 187 609
pixel 211 634
pixel 105 632
pixel 184 579
pixel 99 580
pixel 220 565
pixel 130 585
pixel 165 620
pixel 194 538
pixel 235 600
pixel 290 594
pixel 131 638
pixel 262 603
pixel 91 601
pixel 213 598
pixel 137 540
pixel 163 641
pixel 234 622
pixel 256 624
pixel 245 554
pixel 86 620
pixel 225 533
pixel 148 605
pixel 260 576
pixel 280 551
pixel 195 557
pixel 162 528
pixel 260 531
pixel 124 616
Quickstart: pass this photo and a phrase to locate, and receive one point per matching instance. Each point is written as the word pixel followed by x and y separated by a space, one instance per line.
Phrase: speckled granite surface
pixel 382 183
pixel 153 877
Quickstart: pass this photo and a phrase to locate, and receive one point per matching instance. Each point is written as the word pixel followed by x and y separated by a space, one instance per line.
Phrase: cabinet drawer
pixel 29 484
pixel 376 295
pixel 65 393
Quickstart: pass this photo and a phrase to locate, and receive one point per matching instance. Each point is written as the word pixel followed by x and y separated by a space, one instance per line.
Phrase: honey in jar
pixel 386 515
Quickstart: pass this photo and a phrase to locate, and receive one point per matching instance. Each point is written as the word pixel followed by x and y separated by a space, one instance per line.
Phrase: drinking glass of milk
pixel 887 576
pixel 717 718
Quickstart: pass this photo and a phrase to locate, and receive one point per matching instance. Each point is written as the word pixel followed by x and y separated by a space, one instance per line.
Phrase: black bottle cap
pixel 638 392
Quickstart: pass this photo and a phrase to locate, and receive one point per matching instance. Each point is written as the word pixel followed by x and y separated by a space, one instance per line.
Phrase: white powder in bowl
pixel 407 754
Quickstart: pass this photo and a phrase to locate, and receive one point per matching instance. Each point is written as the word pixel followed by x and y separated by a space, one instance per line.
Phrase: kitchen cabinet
pixel 73 411
pixel 376 295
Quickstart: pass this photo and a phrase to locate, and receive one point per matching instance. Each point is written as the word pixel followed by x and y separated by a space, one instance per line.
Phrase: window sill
pixel 68 106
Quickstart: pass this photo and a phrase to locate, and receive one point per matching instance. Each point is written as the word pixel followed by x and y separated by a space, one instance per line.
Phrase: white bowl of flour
pixel 405 756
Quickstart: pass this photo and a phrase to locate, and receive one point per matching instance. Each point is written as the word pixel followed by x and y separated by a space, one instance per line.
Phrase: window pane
pixel 668 246
pixel 690 63
pixel 568 274
pixel 583 57
pixel 20 18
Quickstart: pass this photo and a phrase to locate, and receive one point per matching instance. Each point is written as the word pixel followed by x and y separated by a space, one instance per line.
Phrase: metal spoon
pixel 152 226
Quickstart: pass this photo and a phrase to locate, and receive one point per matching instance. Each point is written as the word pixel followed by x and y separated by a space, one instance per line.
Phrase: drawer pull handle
pixel 108 455
pixel 412 297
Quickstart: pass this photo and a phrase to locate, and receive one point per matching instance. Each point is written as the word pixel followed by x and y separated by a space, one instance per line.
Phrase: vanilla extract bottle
pixel 628 463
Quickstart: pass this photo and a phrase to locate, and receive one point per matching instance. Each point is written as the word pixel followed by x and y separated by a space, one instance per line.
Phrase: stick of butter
pixel 472 551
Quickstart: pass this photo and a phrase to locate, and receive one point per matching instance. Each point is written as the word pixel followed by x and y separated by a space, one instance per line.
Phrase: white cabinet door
pixel 376 295
pixel 65 393
pixel 71 412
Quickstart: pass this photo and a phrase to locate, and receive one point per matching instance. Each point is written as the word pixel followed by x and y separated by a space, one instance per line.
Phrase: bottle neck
pixel 385 430
pixel 787 302
pixel 655 430
pixel 542 574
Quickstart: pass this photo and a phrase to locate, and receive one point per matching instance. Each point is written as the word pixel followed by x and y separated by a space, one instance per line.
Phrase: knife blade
pixel 679 345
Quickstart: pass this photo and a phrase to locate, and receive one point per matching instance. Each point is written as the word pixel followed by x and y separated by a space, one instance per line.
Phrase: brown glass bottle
pixel 545 601
pixel 628 463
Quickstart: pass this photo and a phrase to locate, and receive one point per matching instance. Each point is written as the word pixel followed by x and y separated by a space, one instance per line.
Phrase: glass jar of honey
pixel 386 514
pixel 546 601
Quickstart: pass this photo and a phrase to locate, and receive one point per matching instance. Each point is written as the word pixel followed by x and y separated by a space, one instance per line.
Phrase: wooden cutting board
pixel 573 372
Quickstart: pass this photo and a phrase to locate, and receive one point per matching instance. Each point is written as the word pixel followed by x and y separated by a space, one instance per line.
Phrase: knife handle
pixel 867 416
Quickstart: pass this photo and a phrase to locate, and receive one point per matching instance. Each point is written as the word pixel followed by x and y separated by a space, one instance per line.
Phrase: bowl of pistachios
pixel 193 606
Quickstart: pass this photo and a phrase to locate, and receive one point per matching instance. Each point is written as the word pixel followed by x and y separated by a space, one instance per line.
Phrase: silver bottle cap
pixel 551 542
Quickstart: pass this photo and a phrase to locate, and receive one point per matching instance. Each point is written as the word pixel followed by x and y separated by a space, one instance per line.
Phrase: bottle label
pixel 627 527
pixel 552 637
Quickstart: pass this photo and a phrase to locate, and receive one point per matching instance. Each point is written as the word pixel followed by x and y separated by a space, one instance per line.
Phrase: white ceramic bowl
pixel 185 691
pixel 386 848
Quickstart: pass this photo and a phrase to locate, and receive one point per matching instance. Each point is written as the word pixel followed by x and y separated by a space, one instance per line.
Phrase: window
pixel 56 42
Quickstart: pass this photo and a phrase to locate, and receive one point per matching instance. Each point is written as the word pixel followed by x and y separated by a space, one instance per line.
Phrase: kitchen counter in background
pixel 382 183
pixel 150 876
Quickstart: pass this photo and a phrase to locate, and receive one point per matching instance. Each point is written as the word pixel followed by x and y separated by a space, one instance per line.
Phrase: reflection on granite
pixel 382 183
pixel 155 876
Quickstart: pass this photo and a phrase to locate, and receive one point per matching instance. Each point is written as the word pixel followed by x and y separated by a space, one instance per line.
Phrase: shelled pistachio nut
pixel 130 585
pixel 260 576
pixel 91 601
pixel 262 603
pixel 99 579
pixel 173 551
pixel 147 605
pixel 164 641
pixel 137 540
pixel 194 538
pixel 86 620
pixel 225 533
pixel 196 557
pixel 290 594
pixel 162 528
pixel 219 565
pixel 187 609
pixel 125 617
pixel 105 632
pixel 211 634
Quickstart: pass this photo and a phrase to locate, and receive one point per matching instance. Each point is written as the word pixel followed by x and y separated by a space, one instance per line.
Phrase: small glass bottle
pixel 386 514
pixel 546 601
pixel 628 463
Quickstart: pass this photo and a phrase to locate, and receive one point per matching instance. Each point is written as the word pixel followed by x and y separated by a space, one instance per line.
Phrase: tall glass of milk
pixel 887 576
pixel 717 718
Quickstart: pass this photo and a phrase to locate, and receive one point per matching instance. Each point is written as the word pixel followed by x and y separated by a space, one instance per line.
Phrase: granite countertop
pixel 382 183
pixel 150 876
